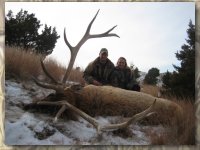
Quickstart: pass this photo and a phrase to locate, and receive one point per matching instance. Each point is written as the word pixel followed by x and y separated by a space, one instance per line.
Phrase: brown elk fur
pixel 108 100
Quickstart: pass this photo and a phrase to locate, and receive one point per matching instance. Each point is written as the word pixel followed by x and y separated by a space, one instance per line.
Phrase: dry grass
pixel 182 133
pixel 150 89
pixel 159 137
pixel 186 134
pixel 77 76
pixel 22 65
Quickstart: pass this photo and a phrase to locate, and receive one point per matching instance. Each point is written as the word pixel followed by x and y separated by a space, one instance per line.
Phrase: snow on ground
pixel 26 128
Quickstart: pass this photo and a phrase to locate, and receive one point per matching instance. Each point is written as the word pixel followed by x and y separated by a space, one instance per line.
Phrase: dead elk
pixel 112 101
pixel 93 100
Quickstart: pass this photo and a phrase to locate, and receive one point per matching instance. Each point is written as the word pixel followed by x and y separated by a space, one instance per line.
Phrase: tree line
pixel 22 30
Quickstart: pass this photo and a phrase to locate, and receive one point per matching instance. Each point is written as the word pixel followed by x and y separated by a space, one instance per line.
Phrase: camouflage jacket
pixel 123 78
pixel 98 71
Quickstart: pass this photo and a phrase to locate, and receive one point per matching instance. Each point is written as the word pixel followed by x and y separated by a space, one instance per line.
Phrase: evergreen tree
pixel 183 79
pixel 22 31
pixel 166 80
pixel 136 73
pixel 151 77
pixel 46 41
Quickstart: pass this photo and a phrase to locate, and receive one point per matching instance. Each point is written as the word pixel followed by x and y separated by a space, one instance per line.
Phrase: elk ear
pixel 74 88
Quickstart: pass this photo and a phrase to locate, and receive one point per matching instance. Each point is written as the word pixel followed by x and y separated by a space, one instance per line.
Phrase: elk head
pixel 63 88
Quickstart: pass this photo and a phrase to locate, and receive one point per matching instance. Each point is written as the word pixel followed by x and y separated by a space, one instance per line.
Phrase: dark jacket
pixel 98 71
pixel 123 78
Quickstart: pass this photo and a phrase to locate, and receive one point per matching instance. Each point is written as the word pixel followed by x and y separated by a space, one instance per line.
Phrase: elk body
pixel 93 100
pixel 108 100
pixel 113 101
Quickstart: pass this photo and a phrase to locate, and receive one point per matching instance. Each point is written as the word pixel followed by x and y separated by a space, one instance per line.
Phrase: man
pixel 98 71
pixel 123 77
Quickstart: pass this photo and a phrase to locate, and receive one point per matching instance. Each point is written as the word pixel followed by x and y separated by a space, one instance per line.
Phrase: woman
pixel 123 77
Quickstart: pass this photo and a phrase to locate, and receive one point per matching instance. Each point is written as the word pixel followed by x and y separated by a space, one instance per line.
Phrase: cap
pixel 103 50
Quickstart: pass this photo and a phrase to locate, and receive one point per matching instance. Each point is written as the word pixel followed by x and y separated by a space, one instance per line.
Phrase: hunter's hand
pixel 96 83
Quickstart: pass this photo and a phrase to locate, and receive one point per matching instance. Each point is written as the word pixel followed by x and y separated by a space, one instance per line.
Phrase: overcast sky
pixel 150 32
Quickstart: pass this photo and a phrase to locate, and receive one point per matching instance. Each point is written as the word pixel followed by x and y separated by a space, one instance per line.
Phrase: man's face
pixel 103 57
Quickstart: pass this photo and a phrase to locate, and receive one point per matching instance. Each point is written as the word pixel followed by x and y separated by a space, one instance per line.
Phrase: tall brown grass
pixel 182 133
pixel 23 64
pixel 186 134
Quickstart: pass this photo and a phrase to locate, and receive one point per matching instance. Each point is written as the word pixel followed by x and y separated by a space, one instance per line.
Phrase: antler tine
pixel 88 118
pixel 62 109
pixel 105 34
pixel 133 119
pixel 90 24
pixel 67 42
pixel 47 73
pixel 57 88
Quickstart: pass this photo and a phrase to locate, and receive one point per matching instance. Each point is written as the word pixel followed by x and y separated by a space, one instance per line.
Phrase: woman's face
pixel 121 63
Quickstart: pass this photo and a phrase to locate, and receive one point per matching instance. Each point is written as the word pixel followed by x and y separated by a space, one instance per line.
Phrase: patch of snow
pixel 23 131
pixel 15 93
pixel 79 131
pixel 18 133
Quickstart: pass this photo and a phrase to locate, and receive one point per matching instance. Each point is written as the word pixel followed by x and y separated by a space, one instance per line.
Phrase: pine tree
pixel 183 78
pixel 22 31
pixel 151 77
pixel 166 80
pixel 136 73
pixel 46 41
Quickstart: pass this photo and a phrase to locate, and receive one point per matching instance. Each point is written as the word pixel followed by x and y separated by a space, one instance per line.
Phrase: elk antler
pixel 74 50
pixel 94 122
